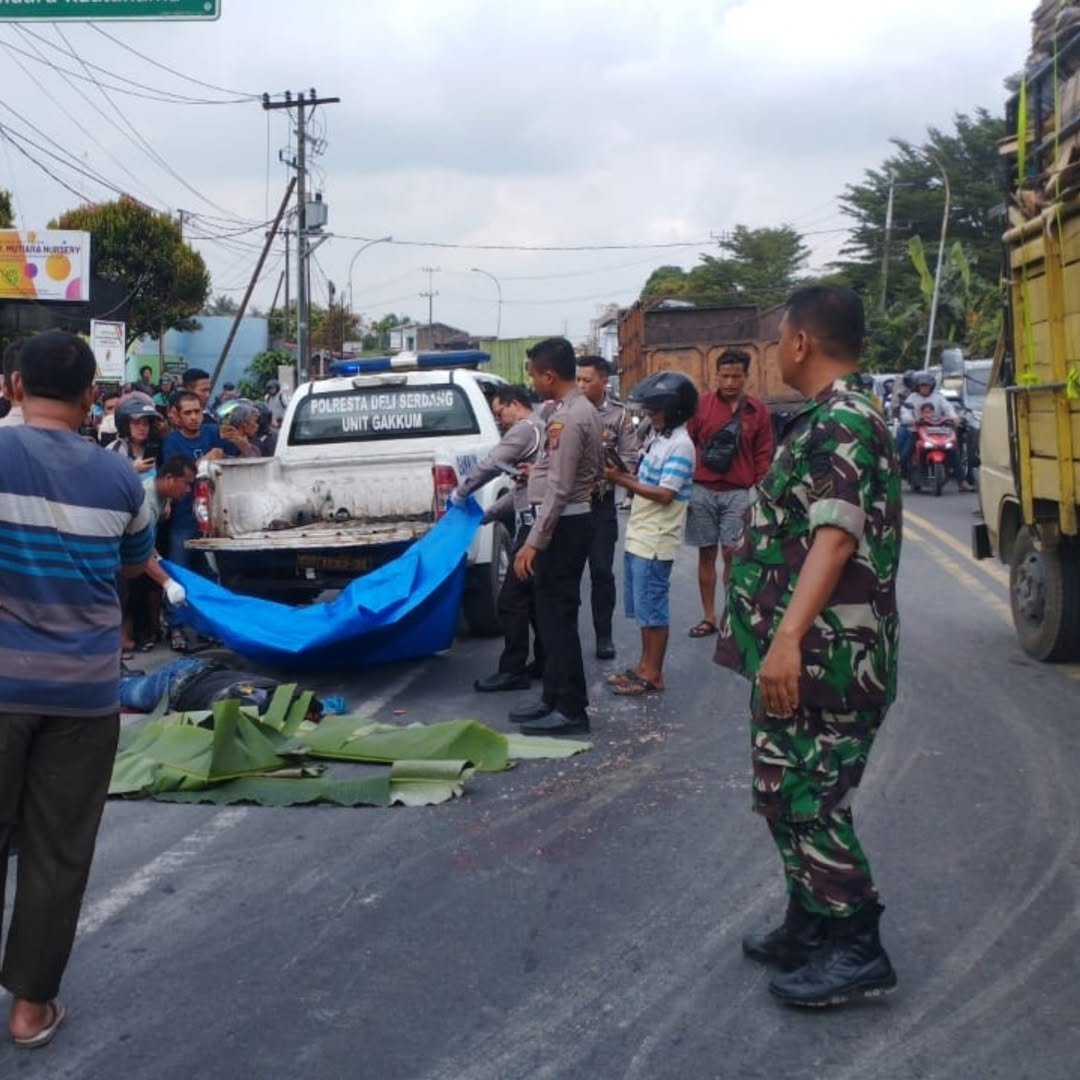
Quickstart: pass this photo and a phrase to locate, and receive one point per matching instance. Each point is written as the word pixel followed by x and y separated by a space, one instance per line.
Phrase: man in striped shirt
pixel 72 518
pixel 661 490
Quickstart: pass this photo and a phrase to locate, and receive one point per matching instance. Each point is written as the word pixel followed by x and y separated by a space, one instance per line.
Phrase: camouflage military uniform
pixel 836 466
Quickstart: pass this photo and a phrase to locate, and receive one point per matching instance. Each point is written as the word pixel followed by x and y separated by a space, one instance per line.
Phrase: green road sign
pixel 92 10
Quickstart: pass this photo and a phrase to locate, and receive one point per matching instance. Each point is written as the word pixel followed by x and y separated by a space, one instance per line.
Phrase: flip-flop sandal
pixel 703 629
pixel 45 1035
pixel 622 677
pixel 639 687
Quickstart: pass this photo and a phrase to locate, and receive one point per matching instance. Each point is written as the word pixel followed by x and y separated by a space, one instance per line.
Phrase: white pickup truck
pixel 365 464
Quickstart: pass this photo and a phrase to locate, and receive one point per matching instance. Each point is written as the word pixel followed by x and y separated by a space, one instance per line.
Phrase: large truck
pixel 1030 442
pixel 672 336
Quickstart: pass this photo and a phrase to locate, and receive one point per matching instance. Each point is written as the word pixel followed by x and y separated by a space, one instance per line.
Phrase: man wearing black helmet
pixel 277 401
pixel 662 488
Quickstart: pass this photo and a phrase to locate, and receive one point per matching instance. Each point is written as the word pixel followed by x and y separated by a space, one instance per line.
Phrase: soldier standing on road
pixel 523 436
pixel 811 618
pixel 733 435
pixel 557 547
pixel 593 373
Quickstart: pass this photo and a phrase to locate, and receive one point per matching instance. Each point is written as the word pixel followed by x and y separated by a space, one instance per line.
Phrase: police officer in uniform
pixel 593 373
pixel 558 545
pixel 524 431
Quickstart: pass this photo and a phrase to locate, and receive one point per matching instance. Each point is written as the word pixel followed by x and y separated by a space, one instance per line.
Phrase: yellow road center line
pixel 959 574
pixel 968 581
pixel 992 569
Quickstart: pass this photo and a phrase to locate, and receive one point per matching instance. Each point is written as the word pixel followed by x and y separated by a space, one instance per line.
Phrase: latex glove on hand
pixel 175 593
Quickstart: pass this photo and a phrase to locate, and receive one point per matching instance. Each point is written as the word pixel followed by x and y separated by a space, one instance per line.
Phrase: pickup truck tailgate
pixel 375 496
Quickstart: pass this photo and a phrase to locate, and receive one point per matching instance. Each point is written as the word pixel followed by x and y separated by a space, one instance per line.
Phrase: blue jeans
pixel 141 693
pixel 647 584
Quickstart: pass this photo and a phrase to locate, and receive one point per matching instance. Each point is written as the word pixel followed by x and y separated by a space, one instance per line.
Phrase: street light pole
pixel 940 261
pixel 352 263
pixel 498 290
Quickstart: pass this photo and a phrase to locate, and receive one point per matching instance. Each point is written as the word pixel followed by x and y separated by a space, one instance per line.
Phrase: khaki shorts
pixel 716 518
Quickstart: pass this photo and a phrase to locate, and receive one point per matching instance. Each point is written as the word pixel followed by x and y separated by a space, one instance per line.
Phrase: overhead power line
pixel 123 85
pixel 535 247
pixel 140 140
pixel 172 71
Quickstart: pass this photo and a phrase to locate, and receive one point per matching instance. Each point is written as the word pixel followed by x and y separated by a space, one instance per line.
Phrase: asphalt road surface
pixel 581 919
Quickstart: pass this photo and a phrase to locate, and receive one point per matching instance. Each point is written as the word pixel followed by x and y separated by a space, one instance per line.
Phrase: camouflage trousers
pixel 806 770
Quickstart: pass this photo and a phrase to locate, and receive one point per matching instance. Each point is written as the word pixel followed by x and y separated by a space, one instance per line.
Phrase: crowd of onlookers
pixel 164 428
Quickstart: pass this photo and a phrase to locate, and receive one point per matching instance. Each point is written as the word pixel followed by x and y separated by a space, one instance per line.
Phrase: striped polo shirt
pixel 654 530
pixel 71 514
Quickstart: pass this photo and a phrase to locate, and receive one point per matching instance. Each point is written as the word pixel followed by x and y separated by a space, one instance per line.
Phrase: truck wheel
pixel 1044 592
pixel 484 583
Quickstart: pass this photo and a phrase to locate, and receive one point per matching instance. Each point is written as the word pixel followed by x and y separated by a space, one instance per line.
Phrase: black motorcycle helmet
pixel 909 379
pixel 134 407
pixel 925 378
pixel 672 392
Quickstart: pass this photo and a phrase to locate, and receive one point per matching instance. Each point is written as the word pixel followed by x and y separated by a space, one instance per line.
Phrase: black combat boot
pixel 850 964
pixel 792 943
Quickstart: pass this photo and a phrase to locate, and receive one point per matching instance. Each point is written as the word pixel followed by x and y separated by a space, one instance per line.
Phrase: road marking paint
pixel 993 569
pixel 962 576
pixel 97 914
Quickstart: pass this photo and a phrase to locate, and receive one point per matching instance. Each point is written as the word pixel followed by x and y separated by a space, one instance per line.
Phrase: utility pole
pixel 302 103
pixel 888 239
pixel 430 294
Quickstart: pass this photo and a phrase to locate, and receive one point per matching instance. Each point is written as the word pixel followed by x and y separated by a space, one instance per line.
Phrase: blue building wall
pixel 201 348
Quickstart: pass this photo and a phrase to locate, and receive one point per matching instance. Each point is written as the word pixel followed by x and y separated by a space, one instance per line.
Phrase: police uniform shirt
pixel 618 432
pixel 520 443
pixel 570 463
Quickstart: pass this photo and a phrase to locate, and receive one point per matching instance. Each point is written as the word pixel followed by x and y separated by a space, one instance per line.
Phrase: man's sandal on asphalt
pixel 705 628
pixel 629 675
pixel 636 687
pixel 45 1035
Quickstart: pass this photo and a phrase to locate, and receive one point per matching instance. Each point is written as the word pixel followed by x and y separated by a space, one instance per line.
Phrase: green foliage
pixel 758 266
pixel 144 251
pixel 7 216
pixel 970 306
pixel 221 304
pixel 264 366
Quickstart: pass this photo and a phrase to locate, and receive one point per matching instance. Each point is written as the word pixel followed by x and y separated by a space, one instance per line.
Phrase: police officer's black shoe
pixel 851 964
pixel 535 670
pixel 605 647
pixel 537 710
pixel 502 680
pixel 792 943
pixel 557 723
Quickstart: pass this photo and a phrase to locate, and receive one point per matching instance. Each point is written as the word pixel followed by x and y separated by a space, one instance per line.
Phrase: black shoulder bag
pixel 719 452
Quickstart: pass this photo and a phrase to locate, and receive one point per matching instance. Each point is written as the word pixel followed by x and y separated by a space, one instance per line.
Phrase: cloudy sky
pixel 482 123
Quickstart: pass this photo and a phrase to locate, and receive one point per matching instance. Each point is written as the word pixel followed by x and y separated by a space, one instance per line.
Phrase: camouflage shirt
pixel 836 466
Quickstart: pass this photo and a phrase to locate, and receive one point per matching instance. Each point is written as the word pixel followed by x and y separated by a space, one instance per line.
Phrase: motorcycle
pixel 934 444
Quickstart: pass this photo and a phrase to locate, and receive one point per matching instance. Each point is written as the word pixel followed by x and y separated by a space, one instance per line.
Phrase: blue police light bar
pixel 429 361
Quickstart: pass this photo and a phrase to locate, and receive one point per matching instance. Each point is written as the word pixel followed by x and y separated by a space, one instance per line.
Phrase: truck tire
pixel 1044 593
pixel 484 583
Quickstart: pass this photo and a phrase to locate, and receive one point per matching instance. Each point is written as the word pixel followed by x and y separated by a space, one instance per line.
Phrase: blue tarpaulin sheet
pixel 405 609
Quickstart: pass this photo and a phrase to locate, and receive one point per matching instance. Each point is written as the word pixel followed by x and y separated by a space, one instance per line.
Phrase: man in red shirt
pixel 732 433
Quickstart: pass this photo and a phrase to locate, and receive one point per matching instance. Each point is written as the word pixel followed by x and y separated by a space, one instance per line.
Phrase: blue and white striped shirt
pixel 71 515
pixel 654 530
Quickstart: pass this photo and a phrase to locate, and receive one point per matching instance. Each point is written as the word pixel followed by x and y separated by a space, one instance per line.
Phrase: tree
pixel 378 335
pixel 144 250
pixel 7 217
pixel 332 326
pixel 758 266
pixel 264 366
pixel 221 304
pixel 969 312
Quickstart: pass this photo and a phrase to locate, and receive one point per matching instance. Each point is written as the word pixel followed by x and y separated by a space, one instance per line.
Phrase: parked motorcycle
pixel 935 443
